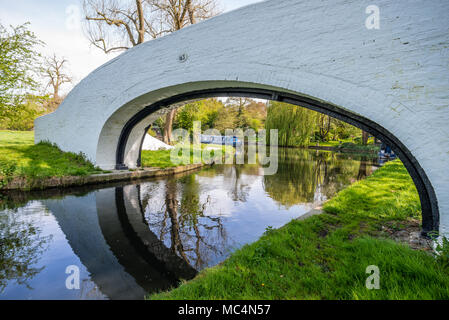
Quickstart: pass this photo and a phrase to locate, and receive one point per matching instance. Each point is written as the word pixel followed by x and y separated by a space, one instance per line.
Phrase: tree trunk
pixel 56 93
pixel 171 204
pixel 141 28
pixel 325 127
pixel 363 169
pixel 365 136
pixel 191 12
pixel 169 125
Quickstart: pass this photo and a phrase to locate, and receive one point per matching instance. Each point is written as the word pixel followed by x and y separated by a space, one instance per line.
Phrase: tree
pixel 254 115
pixel 239 104
pixel 295 124
pixel 19 66
pixel 341 130
pixel 21 248
pixel 205 111
pixel 22 117
pixel 54 70
pixel 226 119
pixel 324 126
pixel 114 26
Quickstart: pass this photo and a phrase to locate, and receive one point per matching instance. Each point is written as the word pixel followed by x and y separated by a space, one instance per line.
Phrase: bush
pixel 7 169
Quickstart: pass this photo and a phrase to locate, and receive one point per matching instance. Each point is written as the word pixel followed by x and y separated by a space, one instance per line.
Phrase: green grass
pixel 349 144
pixel 326 256
pixel 162 158
pixel 158 159
pixel 19 157
pixel 332 143
pixel 358 147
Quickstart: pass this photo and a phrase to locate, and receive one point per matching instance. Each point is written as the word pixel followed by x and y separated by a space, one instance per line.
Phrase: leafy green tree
pixel 22 117
pixel 19 66
pixel 295 124
pixel 205 111
pixel 226 119
pixel 21 246
pixel 253 115
pixel 341 130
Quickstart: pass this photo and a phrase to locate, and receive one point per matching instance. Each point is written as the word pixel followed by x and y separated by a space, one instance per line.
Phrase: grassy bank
pixel 326 256
pixel 162 158
pixel 19 157
pixel 350 146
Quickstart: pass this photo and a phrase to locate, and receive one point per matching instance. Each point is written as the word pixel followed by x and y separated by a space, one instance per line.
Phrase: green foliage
pixel 19 64
pixel 205 111
pixel 297 126
pixel 7 169
pixel 214 114
pixel 341 130
pixel 326 256
pixel 302 172
pixel 21 245
pixel 226 119
pixel 22 116
pixel 294 124
pixel 358 147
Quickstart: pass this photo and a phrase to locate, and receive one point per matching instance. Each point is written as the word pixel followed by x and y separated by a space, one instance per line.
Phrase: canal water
pixel 127 240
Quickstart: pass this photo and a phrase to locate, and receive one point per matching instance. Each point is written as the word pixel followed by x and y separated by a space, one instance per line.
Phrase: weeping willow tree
pixel 304 176
pixel 295 124
pixel 296 179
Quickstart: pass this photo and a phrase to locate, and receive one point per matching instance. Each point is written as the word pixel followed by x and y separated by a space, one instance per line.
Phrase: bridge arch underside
pixel 129 135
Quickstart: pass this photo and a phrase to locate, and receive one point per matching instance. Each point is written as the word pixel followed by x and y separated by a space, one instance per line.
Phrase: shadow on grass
pixel 44 160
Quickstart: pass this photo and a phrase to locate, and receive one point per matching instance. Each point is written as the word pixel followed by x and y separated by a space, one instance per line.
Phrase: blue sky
pixel 52 23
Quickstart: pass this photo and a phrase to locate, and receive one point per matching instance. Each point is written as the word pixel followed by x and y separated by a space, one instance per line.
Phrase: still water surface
pixel 128 240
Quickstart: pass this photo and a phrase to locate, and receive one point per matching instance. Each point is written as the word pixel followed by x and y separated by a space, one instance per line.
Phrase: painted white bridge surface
pixel 396 76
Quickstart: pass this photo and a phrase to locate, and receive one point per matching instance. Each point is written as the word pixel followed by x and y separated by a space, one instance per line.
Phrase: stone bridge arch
pixel 392 82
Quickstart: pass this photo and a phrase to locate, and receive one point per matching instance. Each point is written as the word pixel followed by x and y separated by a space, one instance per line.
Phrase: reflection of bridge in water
pixel 108 232
pixel 137 239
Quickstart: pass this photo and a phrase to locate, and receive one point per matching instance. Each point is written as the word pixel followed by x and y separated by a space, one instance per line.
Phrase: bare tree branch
pixel 113 25
pixel 54 71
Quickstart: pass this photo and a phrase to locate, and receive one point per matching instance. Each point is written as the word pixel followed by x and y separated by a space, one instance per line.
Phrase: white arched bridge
pixel 391 80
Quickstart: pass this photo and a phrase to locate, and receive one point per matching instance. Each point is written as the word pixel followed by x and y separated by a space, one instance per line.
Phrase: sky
pixel 57 23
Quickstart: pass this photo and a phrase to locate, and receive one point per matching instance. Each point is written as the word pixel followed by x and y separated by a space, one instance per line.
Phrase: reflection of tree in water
pixel 364 169
pixel 305 177
pixel 237 179
pixel 193 235
pixel 187 224
pixel 241 187
pixel 295 180
pixel 21 245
